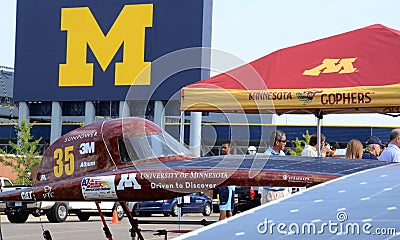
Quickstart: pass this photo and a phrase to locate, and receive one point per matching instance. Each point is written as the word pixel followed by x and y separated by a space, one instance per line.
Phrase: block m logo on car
pixel 83 31
pixel 331 65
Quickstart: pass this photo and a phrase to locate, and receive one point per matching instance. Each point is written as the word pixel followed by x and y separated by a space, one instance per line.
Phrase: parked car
pixel 192 203
pixel 4 182
pixel 56 212
pixel 248 198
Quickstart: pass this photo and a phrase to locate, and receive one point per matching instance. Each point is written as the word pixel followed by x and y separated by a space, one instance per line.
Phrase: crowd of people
pixel 375 149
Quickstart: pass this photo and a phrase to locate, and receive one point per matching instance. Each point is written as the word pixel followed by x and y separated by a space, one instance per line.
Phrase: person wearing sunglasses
pixel 277 140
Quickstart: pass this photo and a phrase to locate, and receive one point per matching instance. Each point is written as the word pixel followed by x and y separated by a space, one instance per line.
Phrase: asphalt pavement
pixel 93 229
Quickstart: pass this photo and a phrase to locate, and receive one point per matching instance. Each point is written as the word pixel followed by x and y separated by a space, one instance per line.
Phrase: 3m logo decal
pixel 83 31
pixel 86 148
pixel 330 65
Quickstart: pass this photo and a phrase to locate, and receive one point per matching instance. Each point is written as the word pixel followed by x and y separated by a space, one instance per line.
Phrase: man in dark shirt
pixel 373 149
pixel 226 194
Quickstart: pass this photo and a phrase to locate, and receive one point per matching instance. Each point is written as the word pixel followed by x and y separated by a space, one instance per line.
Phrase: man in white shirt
pixel 311 150
pixel 392 152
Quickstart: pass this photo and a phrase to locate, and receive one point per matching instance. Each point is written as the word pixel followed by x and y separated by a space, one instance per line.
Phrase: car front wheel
pixel 207 209
pixel 175 210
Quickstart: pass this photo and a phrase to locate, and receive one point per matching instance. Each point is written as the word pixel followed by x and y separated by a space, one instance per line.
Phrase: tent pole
pixel 182 128
pixel 195 133
pixel 319 116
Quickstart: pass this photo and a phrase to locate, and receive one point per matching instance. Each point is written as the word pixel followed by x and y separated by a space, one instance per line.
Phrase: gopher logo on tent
pixel 307 96
pixel 333 65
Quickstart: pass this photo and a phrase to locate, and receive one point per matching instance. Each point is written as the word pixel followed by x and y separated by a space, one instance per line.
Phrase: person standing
pixel 277 141
pixel 226 148
pixel 226 194
pixel 392 152
pixel 226 202
pixel 354 149
pixel 373 149
pixel 311 149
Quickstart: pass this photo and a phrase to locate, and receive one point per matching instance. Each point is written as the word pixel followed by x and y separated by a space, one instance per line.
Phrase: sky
pixel 254 28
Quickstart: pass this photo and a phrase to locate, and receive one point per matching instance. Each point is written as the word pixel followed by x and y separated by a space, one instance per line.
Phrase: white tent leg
pixel 195 133
pixel 319 118
pixel 182 128
pixel 319 136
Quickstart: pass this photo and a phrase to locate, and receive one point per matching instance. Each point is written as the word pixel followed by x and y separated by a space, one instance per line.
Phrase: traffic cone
pixel 115 218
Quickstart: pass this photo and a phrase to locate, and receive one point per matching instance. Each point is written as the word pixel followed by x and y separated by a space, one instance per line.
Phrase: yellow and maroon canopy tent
pixel 357 71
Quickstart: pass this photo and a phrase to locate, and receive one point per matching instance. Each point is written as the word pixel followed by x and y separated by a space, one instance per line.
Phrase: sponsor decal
pixel 87 164
pixel 101 187
pixel 128 181
pixel 80 136
pixel 391 110
pixel 85 148
pixel 296 178
pixel 346 98
pixel 307 96
pixel 48 192
pixel 43 177
pixel 333 65
pixel 27 195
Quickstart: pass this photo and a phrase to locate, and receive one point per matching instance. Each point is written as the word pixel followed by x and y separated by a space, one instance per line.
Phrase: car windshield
pixel 150 146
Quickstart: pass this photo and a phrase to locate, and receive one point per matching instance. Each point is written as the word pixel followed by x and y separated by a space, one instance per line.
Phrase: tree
pixel 26 154
pixel 300 144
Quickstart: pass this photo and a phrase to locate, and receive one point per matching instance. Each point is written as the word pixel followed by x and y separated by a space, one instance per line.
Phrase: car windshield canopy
pixel 150 146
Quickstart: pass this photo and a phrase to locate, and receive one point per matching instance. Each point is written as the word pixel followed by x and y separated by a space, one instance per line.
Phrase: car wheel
pixel 136 210
pixel 207 209
pixel 175 210
pixel 17 217
pixel 58 213
pixel 120 211
pixel 83 217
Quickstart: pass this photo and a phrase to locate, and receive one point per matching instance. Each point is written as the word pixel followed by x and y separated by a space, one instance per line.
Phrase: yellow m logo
pixel 329 65
pixel 83 31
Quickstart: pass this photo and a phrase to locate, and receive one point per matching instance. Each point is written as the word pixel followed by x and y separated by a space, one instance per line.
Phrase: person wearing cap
pixel 392 152
pixel 251 150
pixel 373 149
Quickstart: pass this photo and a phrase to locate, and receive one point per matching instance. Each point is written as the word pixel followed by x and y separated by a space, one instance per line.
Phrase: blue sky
pixel 253 28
